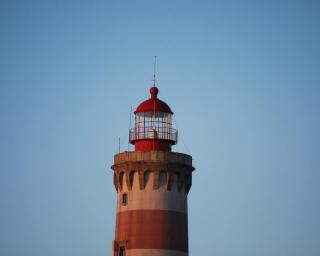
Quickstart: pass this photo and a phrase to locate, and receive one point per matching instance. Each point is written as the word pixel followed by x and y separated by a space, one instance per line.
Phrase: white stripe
pixel 152 199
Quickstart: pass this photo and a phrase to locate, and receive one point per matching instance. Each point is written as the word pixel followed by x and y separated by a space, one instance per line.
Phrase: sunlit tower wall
pixel 152 185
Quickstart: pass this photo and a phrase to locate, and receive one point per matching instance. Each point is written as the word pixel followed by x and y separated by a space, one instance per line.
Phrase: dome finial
pixel 154 92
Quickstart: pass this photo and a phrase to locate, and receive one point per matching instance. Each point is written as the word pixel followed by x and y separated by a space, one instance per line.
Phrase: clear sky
pixel 243 78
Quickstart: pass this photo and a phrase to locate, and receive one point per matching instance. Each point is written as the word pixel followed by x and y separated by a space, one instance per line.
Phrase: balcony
pixel 149 133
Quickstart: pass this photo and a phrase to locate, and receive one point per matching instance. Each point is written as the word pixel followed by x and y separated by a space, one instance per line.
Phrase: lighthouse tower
pixel 152 185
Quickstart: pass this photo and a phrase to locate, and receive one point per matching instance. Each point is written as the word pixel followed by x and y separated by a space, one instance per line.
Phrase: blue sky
pixel 242 78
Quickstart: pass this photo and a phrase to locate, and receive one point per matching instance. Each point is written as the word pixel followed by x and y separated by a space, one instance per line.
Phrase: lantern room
pixel 153 125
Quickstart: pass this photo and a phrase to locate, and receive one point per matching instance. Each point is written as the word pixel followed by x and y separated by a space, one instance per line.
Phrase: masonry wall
pixel 153 220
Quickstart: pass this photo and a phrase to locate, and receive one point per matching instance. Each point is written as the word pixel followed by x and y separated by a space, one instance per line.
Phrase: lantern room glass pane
pixel 153 125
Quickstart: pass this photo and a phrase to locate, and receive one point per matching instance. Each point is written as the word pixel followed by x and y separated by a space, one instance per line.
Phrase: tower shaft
pixel 152 211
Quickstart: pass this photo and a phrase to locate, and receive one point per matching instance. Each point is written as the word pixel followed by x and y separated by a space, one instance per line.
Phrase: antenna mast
pixel 129 126
pixel 154 71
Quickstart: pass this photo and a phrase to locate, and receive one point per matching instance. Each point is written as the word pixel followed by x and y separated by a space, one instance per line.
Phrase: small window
pixel 124 198
pixel 122 251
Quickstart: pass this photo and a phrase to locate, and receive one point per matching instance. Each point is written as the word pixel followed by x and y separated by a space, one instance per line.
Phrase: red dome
pixel 153 104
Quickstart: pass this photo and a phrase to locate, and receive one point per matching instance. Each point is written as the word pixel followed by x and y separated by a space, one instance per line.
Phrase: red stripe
pixel 153 229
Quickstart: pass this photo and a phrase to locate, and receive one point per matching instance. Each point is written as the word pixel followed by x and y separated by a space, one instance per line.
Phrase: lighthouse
pixel 152 185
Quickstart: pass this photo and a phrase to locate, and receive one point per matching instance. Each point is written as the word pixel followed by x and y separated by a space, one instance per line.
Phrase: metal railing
pixel 153 133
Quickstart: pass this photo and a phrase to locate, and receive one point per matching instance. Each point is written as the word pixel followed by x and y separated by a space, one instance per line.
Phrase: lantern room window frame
pixel 153 125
